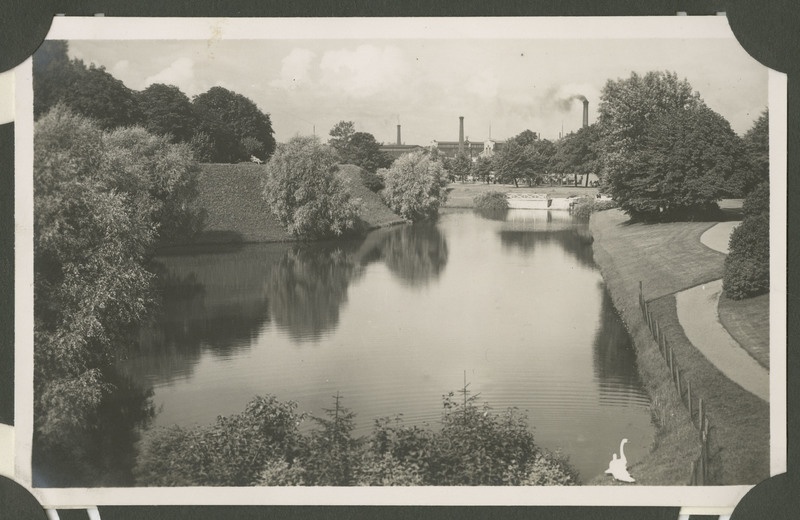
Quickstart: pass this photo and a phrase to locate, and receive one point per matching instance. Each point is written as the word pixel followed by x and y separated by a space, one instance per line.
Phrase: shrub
pixel 264 446
pixel 583 208
pixel 415 187
pixel 747 264
pixel 491 201
pixel 758 201
pixel 372 181
pixel 304 191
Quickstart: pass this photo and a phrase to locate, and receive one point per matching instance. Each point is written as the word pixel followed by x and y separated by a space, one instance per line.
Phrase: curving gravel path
pixel 699 317
pixel 717 237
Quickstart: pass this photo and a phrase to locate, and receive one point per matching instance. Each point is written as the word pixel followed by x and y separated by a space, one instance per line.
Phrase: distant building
pixel 396 150
pixel 450 148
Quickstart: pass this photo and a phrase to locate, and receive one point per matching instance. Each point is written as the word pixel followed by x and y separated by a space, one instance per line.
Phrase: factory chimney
pixel 461 133
pixel 585 112
pixel 398 135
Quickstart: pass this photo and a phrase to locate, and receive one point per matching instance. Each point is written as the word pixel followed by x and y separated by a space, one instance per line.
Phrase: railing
pixel 699 471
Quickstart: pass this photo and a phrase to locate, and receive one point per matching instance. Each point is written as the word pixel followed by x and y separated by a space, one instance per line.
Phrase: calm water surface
pixel 392 321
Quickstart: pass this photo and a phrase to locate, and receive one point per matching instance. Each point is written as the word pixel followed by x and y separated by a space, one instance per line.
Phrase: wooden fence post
pixel 689 397
pixel 700 414
pixel 654 330
pixel 678 379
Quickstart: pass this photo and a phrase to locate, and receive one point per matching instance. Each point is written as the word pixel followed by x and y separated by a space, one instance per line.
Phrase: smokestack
pixel 585 112
pixel 398 135
pixel 461 133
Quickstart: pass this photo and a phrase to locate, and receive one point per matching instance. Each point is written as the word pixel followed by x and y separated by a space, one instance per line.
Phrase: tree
pixel 304 191
pixel 415 186
pixel 459 167
pixel 666 154
pixel 364 151
pixel 341 133
pixel 167 110
pixel 90 91
pixel 483 168
pixel 577 153
pixel 526 137
pixel 755 166
pixel 98 199
pixel 229 119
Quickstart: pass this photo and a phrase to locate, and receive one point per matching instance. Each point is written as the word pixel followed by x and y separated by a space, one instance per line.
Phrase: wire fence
pixel 694 403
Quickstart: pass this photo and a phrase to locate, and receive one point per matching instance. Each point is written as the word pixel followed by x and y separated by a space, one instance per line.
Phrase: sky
pixel 502 86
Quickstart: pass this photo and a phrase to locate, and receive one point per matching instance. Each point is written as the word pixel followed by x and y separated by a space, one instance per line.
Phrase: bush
pixel 491 201
pixel 747 264
pixel 415 187
pixel 372 181
pixel 758 201
pixel 264 446
pixel 583 208
pixel 304 191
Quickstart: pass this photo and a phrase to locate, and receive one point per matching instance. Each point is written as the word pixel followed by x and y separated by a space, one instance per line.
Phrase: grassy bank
pixel 668 258
pixel 234 211
pixel 748 322
pixel 460 194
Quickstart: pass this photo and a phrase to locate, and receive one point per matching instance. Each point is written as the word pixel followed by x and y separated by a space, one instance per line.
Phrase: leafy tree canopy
pixel 341 133
pixel 234 124
pixel 415 186
pixel 364 151
pixel 167 110
pixel 666 154
pixel 304 191
pixel 90 91
pixel 578 152
pixel 756 149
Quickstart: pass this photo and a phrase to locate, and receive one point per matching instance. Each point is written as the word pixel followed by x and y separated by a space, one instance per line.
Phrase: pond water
pixel 394 320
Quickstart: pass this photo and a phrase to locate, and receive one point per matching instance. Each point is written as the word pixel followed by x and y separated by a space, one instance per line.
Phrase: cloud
pixel 295 70
pixel 365 71
pixel 180 73
pixel 120 68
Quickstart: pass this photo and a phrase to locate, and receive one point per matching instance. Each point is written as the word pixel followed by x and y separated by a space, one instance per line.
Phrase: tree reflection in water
pixel 104 451
pixel 416 254
pixel 575 241
pixel 613 355
pixel 307 288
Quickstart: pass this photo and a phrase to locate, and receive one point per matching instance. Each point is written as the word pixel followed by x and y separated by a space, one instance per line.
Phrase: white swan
pixel 618 467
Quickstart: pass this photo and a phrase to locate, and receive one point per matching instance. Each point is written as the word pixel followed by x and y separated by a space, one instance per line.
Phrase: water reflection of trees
pixel 416 254
pixel 575 241
pixel 308 287
pixel 614 357
pixel 207 301
pixel 103 453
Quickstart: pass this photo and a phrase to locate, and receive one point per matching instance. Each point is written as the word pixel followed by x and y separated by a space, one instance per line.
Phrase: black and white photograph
pixel 547 255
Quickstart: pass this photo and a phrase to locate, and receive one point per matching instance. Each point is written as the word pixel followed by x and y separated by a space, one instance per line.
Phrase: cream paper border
pixel 721 499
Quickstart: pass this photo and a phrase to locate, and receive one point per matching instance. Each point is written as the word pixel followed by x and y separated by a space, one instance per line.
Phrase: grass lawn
pixel 668 258
pixel 748 322
pixel 460 194
pixel 739 433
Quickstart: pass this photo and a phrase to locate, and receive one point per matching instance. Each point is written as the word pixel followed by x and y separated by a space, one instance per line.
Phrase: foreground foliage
pixel 264 445
pixel 100 201
pixel 304 191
